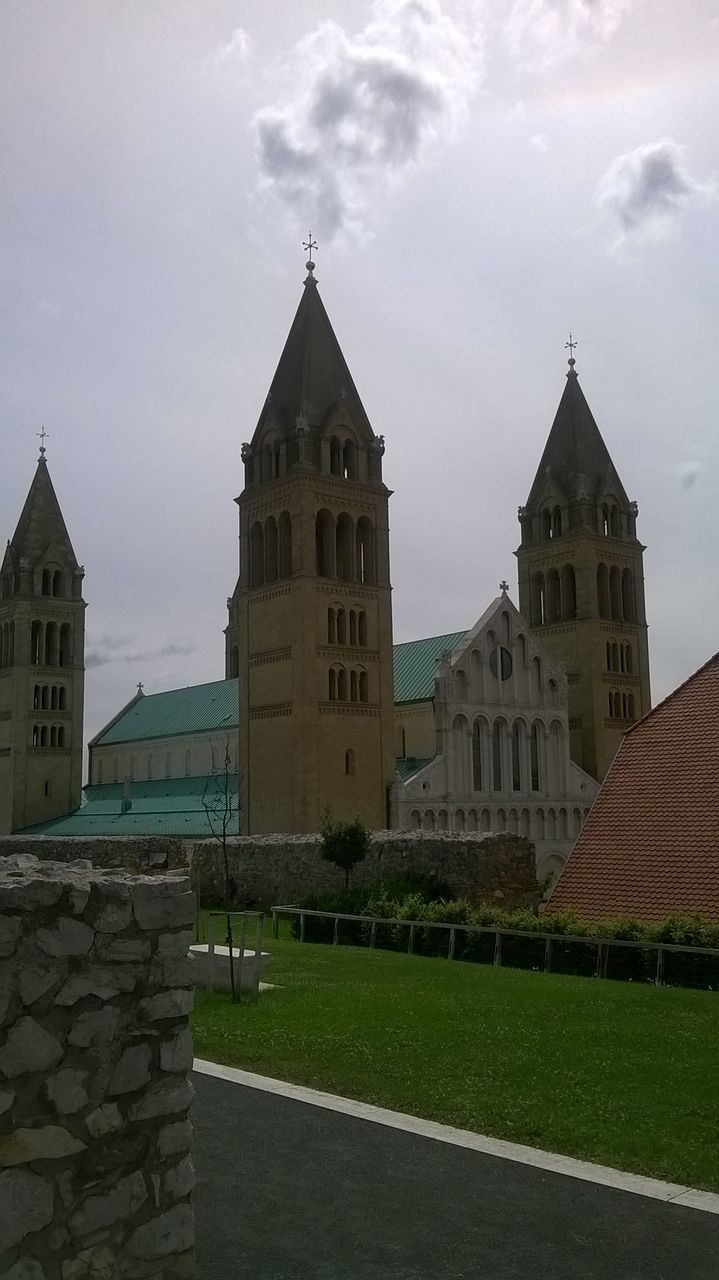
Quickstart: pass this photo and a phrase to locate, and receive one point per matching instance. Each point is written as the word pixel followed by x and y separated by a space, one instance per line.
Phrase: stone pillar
pixel 95 1049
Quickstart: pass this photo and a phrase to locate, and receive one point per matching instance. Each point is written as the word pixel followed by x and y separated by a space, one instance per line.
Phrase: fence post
pixel 600 958
pixel 498 948
pixel 548 955
pixel 336 934
pixel 450 950
pixel 410 944
pixel 659 980
pixel 302 926
pixel 373 934
pixel 275 924
pixel 210 951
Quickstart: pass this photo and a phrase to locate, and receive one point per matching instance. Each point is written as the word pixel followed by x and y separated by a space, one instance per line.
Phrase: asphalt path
pixel 291 1191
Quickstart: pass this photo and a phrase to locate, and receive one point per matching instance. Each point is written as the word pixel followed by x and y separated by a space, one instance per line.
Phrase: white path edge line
pixel 670 1192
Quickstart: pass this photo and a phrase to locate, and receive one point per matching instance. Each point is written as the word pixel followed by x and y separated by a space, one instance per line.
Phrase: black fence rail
pixel 661 963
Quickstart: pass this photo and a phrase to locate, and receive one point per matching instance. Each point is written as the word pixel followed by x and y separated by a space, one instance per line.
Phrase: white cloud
pixel 542 33
pixel 647 190
pixel 46 307
pixel 237 51
pixel 368 108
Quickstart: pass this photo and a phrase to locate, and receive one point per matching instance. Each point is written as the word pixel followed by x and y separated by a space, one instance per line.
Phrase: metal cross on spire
pixel 43 436
pixel 309 245
pixel 571 345
pixel 504 587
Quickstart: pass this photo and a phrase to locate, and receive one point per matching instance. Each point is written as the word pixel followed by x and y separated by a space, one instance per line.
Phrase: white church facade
pixel 488 749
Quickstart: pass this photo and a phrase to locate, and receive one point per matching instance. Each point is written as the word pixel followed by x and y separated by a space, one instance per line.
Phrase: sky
pixel 481 178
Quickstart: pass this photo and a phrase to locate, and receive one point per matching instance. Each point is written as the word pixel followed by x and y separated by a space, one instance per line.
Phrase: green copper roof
pixel 201 708
pixel 415 664
pixel 173 807
pixel 409 766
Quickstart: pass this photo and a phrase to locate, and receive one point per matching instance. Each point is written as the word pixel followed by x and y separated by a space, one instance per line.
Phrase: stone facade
pixel 95 1050
pixel 498 723
pixel 42 674
pixel 310 619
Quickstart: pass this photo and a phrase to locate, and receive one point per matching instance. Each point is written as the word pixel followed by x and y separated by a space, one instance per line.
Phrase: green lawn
pixel 621 1074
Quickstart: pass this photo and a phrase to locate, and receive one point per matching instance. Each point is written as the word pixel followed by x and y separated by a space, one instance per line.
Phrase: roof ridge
pixel 653 710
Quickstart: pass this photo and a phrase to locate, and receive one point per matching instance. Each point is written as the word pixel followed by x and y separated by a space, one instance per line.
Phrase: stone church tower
pixel 310 621
pixel 581 581
pixel 42 674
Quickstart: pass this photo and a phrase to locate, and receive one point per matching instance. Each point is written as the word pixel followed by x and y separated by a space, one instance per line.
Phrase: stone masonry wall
pixel 282 869
pixel 135 853
pixel 95 1049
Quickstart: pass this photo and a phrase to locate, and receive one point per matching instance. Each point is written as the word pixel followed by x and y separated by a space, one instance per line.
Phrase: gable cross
pixel 571 345
pixel 504 587
pixel 42 436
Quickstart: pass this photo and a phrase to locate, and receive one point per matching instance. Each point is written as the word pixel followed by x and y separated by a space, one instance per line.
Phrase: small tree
pixel 220 800
pixel 343 843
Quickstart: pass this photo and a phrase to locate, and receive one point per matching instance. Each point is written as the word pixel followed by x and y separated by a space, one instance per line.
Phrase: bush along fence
pixel 660 954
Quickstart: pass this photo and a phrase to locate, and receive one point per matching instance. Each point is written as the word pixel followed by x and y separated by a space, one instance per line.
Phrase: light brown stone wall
pixel 95 1050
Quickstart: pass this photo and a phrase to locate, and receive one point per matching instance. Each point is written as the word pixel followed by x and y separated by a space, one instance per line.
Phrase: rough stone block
pixel 6 1100
pixel 24 1269
pixel 29 1047
pixel 67 1092
pixel 51 1142
pixel 114 917
pixel 94 1027
pixel 171 907
pixel 103 1120
pixel 35 982
pixel 26 1204
pixel 176 1053
pixel 29 895
pixel 174 944
pixel 95 982
pixel 116 1205
pixel 171 1232
pixel 68 938
pixel 122 1152
pixel 180 1179
pixel 174 1139
pixel 171 971
pixel 166 1004
pixel 164 1098
pixel 132 1070
pixel 9 934
pixel 122 950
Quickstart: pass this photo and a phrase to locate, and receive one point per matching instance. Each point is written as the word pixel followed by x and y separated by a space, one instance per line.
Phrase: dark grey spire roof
pixel 575 455
pixel 41 524
pixel 312 375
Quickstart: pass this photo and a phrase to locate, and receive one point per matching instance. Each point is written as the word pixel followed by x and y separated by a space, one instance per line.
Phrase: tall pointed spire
pixel 575 460
pixel 41 524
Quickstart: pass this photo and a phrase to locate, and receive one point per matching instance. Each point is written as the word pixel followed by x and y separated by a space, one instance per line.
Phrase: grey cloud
pixel 647 189
pixel 542 33
pixel 109 649
pixel 689 473
pixel 368 107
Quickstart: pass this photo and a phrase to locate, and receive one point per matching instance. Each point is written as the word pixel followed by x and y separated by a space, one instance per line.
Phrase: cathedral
pixel 508 724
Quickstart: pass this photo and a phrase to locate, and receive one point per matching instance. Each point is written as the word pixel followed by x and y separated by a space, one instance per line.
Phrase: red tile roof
pixel 650 846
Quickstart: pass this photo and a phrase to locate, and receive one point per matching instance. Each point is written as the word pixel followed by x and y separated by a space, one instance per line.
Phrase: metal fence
pixel 601 946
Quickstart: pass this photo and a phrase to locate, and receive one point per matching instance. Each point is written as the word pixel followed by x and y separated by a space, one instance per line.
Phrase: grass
pixel 607 1071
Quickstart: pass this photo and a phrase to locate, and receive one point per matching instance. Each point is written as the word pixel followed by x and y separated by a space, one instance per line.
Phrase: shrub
pixel 343 843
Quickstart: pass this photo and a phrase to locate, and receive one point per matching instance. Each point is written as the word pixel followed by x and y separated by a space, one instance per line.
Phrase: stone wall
pixel 271 870
pixel 95 1049
pixel 135 853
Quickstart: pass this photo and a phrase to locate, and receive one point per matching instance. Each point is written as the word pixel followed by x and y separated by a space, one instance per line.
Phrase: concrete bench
pixel 253 966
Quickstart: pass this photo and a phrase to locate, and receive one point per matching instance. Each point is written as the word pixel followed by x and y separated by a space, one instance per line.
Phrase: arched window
pixel 57 583
pixel 45 698
pixel 535 758
pixel 603 591
pixel 341 627
pixel 62 698
pixel 365 550
pixel 536 679
pixel 611 703
pixel 335 457
pixel 332 690
pixel 53 736
pixel 36 645
pixel 563 833
pixel 569 592
pixel 362 627
pixel 285 545
pixel 65 648
pixel 349 763
pixel 349 461
pixel 628 660
pixel 270 549
pixel 539 824
pixel 36 698
pixel 459 755
pixel 615 522
pixel 345 548
pixel 257 554
pixel 555 770
pixel 415 819
pixel 353 626
pixel 331 626
pixel 485 820
pixel 500 822
pixel 539 600
pixel 476 675
pixel 36 735
pixel 516 756
pixel 628 609
pixel 45 587
pixel 615 593
pixel 353 686
pixel 428 820
pixel 43 735
pixel 554 599
pixel 459 820
pixel 497 752
pixel 51 651
pixel 363 687
pixel 342 685
pixel 477 737
pixel 325 540
pixel 53 698
pixel 443 820
pixel 525 824
pixel 630 707
pixel 546 524
pixel 605 520
pixel 557 522
pixel 460 685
